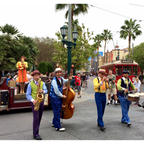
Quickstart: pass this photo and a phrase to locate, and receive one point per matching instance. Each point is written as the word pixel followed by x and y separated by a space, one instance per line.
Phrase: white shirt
pixel 137 85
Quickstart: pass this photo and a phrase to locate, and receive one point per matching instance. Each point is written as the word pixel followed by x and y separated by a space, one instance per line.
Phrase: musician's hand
pixel 63 106
pixel 113 81
pixel 107 80
pixel 34 102
pixel 136 89
pixel 104 78
pixel 49 81
pixel 41 91
pixel 64 96
pixel 70 77
pixel 126 90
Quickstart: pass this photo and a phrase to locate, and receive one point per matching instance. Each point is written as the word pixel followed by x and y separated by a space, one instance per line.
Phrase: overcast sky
pixel 38 18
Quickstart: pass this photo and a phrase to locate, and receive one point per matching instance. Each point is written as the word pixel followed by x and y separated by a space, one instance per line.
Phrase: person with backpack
pixel 100 86
pixel 124 85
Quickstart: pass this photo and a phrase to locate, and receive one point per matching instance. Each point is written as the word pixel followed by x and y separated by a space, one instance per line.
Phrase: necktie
pixel 36 83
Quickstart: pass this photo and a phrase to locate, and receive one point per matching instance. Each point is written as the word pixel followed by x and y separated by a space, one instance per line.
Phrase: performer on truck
pixel 22 73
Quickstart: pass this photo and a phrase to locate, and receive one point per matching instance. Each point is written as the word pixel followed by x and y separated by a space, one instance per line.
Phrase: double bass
pixel 67 106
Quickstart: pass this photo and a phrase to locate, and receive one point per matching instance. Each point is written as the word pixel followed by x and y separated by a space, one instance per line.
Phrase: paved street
pixel 82 126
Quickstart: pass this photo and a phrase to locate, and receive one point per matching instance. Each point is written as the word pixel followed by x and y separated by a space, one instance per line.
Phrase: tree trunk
pixel 104 51
pixel 98 60
pixel 129 45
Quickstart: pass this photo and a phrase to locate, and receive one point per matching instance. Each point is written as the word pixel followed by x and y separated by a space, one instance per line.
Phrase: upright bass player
pixel 56 95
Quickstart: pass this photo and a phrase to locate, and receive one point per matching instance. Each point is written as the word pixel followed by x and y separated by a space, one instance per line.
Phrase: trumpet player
pixel 31 94
pixel 100 87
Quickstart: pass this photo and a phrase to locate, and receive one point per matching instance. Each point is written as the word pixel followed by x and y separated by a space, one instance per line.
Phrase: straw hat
pixel 102 71
pixel 57 69
pixel 35 72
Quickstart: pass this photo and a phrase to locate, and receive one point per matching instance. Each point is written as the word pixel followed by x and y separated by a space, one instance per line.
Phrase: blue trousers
pixel 100 99
pixel 56 106
pixel 125 104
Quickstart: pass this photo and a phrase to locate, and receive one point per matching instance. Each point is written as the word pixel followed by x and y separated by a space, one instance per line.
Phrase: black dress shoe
pixel 102 129
pixel 37 138
pixel 139 105
pixel 129 125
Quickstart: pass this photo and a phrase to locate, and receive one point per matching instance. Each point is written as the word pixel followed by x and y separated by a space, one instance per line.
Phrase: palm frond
pixel 61 6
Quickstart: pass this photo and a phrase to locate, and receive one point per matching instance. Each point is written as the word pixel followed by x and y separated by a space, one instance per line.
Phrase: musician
pixel 112 87
pixel 22 73
pixel 56 95
pixel 124 85
pixel 100 87
pixel 31 96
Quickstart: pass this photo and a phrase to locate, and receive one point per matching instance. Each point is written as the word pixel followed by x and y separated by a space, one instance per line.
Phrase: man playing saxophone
pixel 35 90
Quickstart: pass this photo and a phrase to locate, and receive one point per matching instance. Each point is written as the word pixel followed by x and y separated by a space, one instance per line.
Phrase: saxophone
pixel 39 97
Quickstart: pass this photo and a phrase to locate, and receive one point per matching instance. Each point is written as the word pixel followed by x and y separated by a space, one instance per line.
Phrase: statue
pixel 22 73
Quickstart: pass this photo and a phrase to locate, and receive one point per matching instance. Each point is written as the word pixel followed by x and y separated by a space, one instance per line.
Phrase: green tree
pixel 97 44
pixel 130 30
pixel 13 45
pixel 76 9
pixel 138 55
pixel 9 29
pixel 97 41
pixel 106 36
pixel 45 67
pixel 46 49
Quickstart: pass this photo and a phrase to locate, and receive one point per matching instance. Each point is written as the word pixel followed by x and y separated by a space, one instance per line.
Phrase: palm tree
pixel 131 30
pixel 9 29
pixel 98 39
pixel 76 9
pixel 106 36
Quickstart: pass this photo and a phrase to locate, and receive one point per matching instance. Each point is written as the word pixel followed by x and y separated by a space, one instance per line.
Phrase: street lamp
pixel 69 44
pixel 63 30
pixel 118 56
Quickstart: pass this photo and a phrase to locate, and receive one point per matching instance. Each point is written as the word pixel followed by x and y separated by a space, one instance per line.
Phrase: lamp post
pixel 69 43
pixel 118 56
